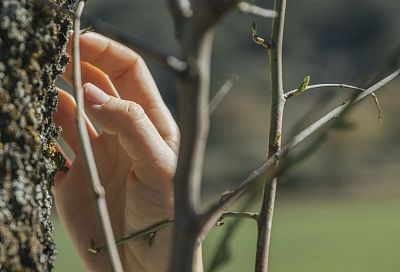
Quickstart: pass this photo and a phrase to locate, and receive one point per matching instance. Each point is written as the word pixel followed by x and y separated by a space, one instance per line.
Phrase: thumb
pixel 151 156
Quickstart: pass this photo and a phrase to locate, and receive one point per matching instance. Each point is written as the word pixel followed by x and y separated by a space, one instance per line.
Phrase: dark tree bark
pixel 32 39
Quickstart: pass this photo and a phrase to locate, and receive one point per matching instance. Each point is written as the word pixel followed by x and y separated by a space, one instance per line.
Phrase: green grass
pixel 323 236
pixel 328 236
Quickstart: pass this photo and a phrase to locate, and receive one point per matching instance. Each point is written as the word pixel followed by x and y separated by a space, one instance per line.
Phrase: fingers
pixel 91 74
pixel 131 78
pixel 65 116
pixel 151 156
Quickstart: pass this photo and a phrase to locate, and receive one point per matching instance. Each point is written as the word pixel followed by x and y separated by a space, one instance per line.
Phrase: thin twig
pixel 248 8
pixel 296 92
pixel 137 235
pixel 90 165
pixel 264 222
pixel 221 93
pixel 245 215
pixel 265 171
pixel 162 224
pixel 391 61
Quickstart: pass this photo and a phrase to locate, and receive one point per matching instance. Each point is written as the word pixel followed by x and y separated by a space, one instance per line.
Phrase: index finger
pixel 131 77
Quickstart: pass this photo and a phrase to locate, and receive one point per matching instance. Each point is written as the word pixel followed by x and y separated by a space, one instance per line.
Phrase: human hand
pixel 135 153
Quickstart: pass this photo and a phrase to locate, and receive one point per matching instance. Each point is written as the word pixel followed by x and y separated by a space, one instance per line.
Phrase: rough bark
pixel 32 39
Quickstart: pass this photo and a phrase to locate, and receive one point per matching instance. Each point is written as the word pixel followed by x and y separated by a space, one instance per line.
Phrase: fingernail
pixel 95 95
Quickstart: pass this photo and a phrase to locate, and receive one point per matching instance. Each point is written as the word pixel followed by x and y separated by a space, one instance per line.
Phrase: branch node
pixel 150 237
pixel 99 191
pixel 259 40
pixel 225 195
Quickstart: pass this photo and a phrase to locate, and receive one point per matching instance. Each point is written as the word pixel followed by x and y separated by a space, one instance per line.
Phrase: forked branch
pixel 266 170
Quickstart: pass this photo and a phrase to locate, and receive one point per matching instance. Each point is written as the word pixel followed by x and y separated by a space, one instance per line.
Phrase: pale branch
pixel 264 222
pixel 244 215
pixel 266 170
pixel 195 37
pixel 221 93
pixel 248 8
pixel 391 61
pixel 170 62
pixel 89 162
pixel 296 92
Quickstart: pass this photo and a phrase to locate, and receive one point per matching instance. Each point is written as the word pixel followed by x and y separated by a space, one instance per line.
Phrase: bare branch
pixel 248 8
pixel 264 222
pixel 151 230
pixel 195 36
pixel 296 92
pixel 245 215
pixel 317 86
pixel 222 92
pixel 137 235
pixel 390 63
pixel 266 170
pixel 90 165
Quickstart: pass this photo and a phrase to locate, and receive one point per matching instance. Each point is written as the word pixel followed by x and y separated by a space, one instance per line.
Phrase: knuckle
pixel 133 111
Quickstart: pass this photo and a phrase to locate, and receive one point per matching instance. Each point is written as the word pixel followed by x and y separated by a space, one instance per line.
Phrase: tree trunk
pixel 32 39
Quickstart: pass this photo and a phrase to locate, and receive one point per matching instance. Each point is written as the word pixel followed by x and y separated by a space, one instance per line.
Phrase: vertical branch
pixel 264 222
pixel 194 31
pixel 90 165
pixel 193 123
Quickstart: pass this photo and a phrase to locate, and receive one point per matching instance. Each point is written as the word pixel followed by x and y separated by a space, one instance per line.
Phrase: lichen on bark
pixel 32 42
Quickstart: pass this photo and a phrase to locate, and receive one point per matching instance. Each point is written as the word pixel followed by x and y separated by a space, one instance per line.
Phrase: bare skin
pixel 135 152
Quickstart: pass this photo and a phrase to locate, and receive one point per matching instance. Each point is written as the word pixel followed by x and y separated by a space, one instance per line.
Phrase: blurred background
pixel 339 209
